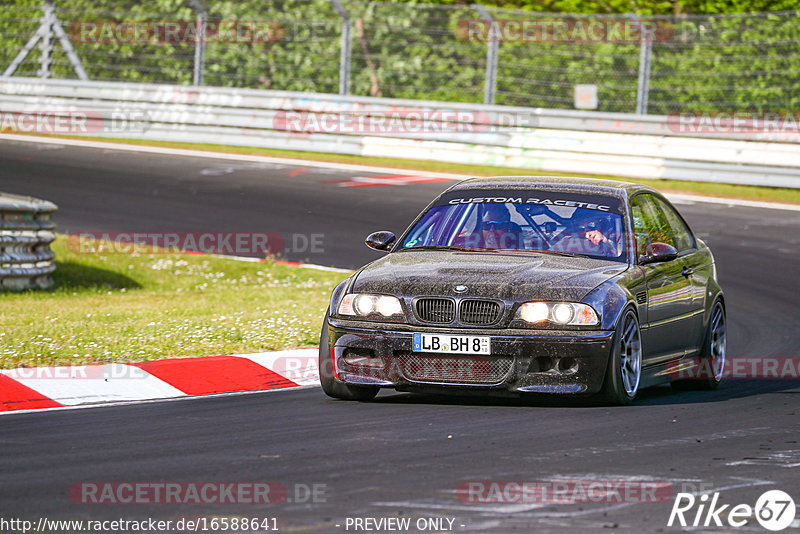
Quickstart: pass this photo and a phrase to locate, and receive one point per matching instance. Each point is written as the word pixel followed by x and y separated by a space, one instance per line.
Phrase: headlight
pixel 563 313
pixel 366 305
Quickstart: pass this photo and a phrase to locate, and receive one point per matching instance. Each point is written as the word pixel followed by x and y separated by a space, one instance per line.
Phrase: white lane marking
pixel 340 166
pixel 314 266
pixel 300 366
pixel 514 508
pixel 216 172
pixel 324 268
pixel 153 401
pixel 786 458
pixel 691 199
pixel 223 155
pixel 750 482
pixel 99 383
pixel 491 509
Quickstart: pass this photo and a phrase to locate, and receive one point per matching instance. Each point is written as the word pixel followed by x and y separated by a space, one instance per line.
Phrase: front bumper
pixel 521 361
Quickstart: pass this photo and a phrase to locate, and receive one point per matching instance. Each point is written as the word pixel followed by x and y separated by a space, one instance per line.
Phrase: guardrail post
pixel 346 48
pixel 645 59
pixel 46 41
pixel 200 44
pixel 492 49
pixel 200 49
pixel 49 26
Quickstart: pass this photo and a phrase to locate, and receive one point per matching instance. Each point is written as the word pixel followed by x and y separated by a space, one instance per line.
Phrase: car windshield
pixel 541 222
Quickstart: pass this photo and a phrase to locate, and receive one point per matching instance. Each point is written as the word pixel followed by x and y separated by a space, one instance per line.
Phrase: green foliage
pixel 421 51
pixel 651 7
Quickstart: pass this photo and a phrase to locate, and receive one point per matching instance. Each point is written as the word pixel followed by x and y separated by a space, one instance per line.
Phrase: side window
pixel 649 223
pixel 682 234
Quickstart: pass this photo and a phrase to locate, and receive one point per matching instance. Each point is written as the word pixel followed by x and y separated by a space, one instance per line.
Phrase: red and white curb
pixel 38 388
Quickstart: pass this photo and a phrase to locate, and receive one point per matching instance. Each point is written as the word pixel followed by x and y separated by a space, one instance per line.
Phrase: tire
pixel 712 355
pixel 331 386
pixel 624 369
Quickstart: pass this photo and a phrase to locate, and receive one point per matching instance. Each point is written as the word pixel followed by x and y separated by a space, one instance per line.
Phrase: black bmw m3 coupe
pixel 515 285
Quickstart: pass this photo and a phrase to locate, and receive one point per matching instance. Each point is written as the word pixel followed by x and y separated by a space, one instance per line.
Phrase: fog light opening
pixel 362 359
pixel 567 365
pixel 543 364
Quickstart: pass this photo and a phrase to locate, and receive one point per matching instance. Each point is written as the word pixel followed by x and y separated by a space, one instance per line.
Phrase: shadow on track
pixel 654 396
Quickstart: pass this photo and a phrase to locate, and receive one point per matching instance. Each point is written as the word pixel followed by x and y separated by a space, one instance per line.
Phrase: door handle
pixel 687 271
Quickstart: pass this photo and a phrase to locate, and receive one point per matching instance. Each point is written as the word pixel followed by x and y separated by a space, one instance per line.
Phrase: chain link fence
pixel 461 53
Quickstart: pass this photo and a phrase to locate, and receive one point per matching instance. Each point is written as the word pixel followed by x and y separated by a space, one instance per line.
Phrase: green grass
pixel 124 307
pixel 746 192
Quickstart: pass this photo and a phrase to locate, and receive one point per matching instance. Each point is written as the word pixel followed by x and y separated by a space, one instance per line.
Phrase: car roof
pixel 555 183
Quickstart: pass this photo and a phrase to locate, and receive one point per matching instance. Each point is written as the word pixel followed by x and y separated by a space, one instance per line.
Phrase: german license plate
pixel 451 344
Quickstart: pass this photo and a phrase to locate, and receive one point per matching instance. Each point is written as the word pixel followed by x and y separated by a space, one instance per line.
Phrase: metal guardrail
pixel 26 231
pixel 460 52
pixel 637 146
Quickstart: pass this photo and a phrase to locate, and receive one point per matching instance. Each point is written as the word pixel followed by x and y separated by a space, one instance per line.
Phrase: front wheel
pixel 624 369
pixel 331 386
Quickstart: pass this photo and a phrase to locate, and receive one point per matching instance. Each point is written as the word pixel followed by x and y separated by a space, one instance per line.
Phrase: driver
pixel 495 230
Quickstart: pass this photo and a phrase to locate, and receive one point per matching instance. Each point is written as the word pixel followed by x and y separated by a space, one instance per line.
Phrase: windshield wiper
pixel 440 247
pixel 503 250
pixel 559 253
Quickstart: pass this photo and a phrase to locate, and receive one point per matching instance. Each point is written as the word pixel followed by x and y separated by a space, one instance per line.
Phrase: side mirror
pixel 380 240
pixel 658 252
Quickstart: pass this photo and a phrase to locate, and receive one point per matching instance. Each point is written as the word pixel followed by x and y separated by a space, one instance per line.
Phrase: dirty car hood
pixel 503 275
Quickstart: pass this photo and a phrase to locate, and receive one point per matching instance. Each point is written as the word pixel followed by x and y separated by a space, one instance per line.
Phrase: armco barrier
pixel 639 146
pixel 26 231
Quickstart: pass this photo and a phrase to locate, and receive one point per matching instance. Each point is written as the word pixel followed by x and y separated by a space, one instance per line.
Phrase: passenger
pixel 607 242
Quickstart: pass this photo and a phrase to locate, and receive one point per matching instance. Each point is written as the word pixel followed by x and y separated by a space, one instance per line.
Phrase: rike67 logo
pixel 774 510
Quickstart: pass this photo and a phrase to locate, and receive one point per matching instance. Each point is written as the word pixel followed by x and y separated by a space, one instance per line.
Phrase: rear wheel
pixel 331 386
pixel 712 357
pixel 624 369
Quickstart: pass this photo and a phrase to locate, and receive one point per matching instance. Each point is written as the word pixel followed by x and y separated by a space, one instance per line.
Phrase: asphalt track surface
pixel 402 455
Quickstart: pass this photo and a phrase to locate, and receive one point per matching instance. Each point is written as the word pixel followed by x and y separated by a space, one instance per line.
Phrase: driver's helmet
pixel 603 224
pixel 496 217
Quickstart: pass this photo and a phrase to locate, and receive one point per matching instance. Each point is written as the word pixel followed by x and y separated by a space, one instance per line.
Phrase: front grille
pixel 442 311
pixel 479 312
pixel 459 369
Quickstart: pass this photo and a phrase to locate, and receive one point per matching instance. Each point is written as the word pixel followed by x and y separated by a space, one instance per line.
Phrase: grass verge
pixel 124 307
pixel 745 192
